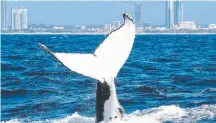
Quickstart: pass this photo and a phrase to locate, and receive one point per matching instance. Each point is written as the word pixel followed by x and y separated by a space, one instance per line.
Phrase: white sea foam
pixel 152 115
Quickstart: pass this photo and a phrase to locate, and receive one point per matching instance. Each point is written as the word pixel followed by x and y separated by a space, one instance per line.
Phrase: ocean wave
pixel 15 57
pixel 204 82
pixel 12 68
pixel 42 73
pixel 172 113
pixel 208 90
pixel 165 60
pixel 16 92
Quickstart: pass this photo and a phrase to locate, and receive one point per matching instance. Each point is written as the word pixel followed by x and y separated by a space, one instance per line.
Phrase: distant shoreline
pixel 105 33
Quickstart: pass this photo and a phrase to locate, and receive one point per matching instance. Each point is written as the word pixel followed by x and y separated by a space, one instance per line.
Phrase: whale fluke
pixel 107 59
pixel 103 65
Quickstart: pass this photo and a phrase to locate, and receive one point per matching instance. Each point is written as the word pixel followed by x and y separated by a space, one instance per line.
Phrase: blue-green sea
pixel 167 78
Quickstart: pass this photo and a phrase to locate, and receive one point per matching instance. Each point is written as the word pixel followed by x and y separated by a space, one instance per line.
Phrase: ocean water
pixel 167 78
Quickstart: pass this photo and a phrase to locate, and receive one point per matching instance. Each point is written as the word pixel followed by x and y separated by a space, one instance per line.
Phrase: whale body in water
pixel 103 65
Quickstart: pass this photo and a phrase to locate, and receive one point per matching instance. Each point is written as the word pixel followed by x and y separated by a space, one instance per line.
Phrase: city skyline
pixel 92 15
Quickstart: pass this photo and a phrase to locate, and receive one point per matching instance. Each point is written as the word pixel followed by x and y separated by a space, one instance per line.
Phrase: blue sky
pixel 70 13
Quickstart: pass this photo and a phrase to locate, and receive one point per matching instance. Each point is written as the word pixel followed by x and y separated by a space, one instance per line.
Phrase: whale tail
pixel 103 65
pixel 107 59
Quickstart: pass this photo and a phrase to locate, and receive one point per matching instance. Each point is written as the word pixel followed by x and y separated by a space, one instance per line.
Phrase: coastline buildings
pixel 116 24
pixel 3 15
pixel 80 27
pixel 107 27
pixel 58 28
pixel 19 19
pixel 174 13
pixel 187 25
pixel 138 13
pixel 212 26
pixel 174 22
pixel 146 24
pixel 113 26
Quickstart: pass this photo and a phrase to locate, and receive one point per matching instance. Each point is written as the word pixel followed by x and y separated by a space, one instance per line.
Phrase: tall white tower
pixel 138 14
pixel 169 13
pixel 19 19
pixel 178 6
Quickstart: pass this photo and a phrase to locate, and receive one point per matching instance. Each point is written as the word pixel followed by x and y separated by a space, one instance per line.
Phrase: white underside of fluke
pixel 108 58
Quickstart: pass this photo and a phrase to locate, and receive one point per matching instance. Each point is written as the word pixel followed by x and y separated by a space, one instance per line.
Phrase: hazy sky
pixel 69 13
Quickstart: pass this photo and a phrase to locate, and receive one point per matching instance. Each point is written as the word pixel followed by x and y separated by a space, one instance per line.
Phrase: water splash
pixel 160 114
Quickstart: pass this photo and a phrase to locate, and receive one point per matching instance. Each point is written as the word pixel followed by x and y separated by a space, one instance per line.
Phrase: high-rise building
pixel 174 13
pixel 19 19
pixel 169 14
pixel 178 12
pixel 3 15
pixel 138 13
